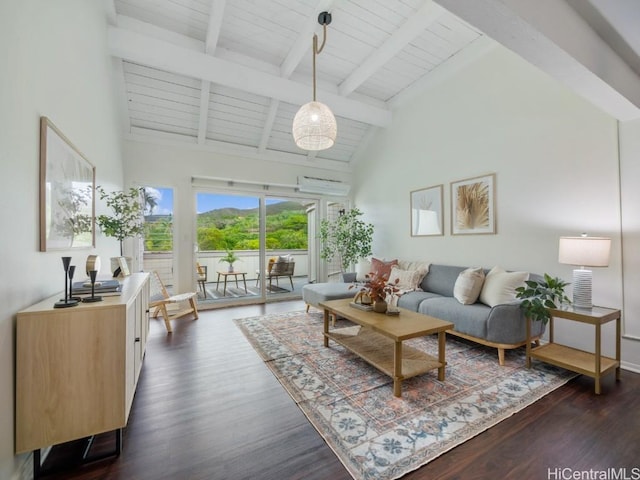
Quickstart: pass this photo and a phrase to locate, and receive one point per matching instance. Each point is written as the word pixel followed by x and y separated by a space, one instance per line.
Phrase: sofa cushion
pixel 469 285
pixel 469 319
pixel 441 279
pixel 412 300
pixel 500 286
pixel 382 268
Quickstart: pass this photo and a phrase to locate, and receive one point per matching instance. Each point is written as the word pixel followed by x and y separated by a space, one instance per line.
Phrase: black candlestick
pixel 92 298
pixel 72 269
pixel 66 302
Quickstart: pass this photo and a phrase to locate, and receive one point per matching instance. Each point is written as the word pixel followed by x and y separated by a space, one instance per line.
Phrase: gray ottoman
pixel 314 293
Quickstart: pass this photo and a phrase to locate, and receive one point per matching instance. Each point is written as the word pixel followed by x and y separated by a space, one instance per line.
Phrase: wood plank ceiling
pixel 230 75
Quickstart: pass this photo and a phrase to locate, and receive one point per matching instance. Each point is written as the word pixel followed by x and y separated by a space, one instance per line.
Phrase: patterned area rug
pixel 351 404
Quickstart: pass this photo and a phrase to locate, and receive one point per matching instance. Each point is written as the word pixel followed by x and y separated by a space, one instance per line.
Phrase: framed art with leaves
pixel 473 206
pixel 67 193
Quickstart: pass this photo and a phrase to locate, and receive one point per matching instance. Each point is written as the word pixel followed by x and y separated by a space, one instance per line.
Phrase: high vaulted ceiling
pixel 229 75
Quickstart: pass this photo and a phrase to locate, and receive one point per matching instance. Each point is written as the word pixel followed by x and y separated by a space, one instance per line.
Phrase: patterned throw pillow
pixel 380 267
pixel 408 280
pixel 469 285
pixel 500 286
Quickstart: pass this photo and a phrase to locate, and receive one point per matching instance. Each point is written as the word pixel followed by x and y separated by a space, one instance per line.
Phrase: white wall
pixel 165 165
pixel 630 201
pixel 54 62
pixel 555 157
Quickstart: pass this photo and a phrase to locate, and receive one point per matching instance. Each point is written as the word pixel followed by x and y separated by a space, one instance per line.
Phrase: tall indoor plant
pixel 347 237
pixel 126 219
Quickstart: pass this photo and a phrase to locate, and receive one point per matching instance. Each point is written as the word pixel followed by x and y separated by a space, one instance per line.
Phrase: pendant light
pixel 314 126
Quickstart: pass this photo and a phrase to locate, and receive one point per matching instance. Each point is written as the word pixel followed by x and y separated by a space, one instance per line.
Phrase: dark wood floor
pixel 208 408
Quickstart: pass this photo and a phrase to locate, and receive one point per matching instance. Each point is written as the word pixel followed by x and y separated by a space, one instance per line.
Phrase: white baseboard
pixel 632 367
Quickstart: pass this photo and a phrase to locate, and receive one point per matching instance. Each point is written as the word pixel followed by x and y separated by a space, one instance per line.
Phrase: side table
pixel 225 275
pixel 591 364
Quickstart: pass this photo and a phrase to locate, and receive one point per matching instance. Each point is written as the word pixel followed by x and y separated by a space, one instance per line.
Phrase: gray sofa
pixel 502 326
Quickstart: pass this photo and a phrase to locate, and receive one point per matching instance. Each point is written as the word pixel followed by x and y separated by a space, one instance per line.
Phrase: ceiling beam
pixel 205 92
pixel 268 125
pixel 216 14
pixel 139 48
pixel 412 28
pixel 552 36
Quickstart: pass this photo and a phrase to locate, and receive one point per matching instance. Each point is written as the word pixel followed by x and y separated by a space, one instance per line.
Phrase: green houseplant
pixel 230 258
pixel 347 237
pixel 126 220
pixel 538 296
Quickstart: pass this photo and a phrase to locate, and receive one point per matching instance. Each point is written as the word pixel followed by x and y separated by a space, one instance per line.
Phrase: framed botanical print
pixel 426 211
pixel 67 193
pixel 473 206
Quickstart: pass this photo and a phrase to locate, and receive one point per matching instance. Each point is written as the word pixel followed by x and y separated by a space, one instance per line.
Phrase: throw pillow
pixel 363 268
pixel 469 285
pixel 382 268
pixel 408 280
pixel 500 286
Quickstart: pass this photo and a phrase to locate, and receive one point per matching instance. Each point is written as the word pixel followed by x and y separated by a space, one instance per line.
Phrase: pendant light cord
pixel 316 51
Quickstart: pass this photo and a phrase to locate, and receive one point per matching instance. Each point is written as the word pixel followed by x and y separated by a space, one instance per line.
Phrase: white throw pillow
pixel 408 280
pixel 500 286
pixel 469 285
pixel 363 268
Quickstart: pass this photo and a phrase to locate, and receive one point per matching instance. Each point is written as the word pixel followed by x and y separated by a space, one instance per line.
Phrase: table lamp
pixel 586 252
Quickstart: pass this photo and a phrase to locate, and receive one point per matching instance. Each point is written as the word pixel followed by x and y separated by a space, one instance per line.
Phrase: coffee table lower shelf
pixel 379 351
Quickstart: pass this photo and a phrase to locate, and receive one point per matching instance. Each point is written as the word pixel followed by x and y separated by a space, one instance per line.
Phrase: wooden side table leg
pixel 244 280
pixel 397 369
pixel 528 347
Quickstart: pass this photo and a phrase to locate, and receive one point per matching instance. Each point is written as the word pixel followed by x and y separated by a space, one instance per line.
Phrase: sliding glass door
pixel 250 248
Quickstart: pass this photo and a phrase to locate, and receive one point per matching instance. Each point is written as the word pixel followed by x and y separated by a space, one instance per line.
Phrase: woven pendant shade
pixel 314 127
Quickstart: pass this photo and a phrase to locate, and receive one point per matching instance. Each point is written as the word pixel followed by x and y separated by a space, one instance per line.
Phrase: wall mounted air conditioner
pixel 323 186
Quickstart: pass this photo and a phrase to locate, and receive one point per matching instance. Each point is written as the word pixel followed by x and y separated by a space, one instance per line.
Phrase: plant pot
pixel 379 306
pixel 230 270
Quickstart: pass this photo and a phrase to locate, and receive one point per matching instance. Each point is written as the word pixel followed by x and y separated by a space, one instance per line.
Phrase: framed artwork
pixel 67 193
pixel 124 267
pixel 426 211
pixel 473 206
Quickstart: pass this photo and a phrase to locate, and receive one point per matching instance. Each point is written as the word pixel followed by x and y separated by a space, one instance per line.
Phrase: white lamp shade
pixel 584 251
pixel 314 127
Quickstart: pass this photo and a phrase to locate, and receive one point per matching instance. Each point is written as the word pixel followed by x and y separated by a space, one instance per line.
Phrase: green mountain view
pixel 237 229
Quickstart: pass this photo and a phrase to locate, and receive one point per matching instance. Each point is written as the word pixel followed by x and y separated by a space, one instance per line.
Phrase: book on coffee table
pixel 361 306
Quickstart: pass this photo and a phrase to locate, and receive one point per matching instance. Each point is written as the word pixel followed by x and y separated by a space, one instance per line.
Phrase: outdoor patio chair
pixel 178 305
pixel 279 267
pixel 201 276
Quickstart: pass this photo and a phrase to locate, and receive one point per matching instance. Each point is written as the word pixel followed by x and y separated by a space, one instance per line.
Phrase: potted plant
pixel 127 220
pixel 347 237
pixel 229 258
pixel 541 295
pixel 375 290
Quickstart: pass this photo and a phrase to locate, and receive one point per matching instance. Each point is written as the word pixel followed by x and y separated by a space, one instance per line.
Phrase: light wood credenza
pixel 77 367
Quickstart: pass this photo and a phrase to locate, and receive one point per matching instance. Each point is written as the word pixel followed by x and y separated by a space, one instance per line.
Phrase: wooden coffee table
pixel 379 341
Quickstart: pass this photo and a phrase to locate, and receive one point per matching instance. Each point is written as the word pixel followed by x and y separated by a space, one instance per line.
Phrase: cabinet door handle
pixel 137 339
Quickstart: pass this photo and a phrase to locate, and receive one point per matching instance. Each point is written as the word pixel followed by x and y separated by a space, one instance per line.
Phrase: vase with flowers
pixel 377 289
